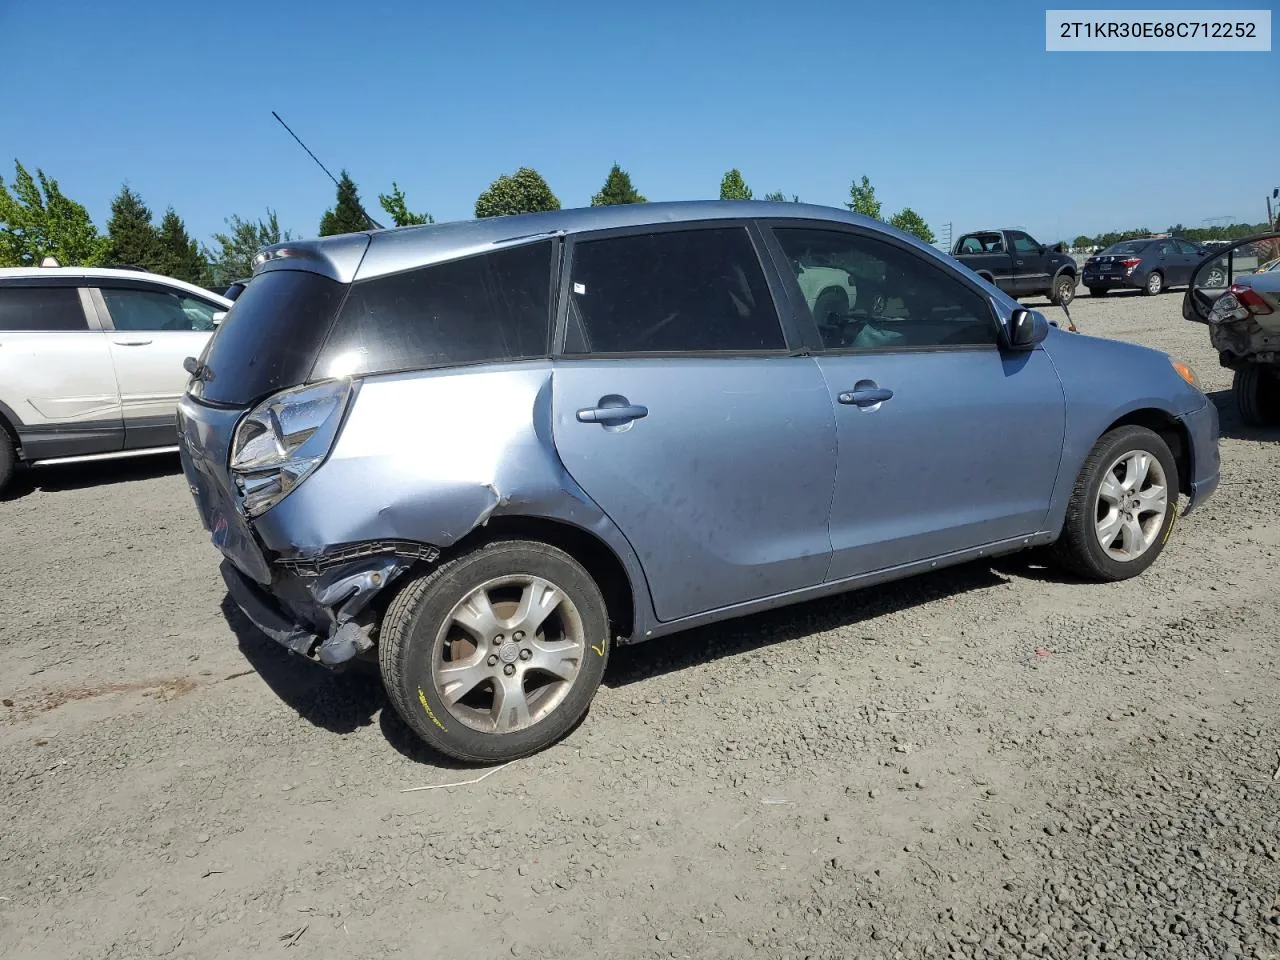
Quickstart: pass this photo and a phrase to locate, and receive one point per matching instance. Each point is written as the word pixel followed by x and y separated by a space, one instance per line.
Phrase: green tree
pixel 862 199
pixel 1081 242
pixel 180 256
pixel 521 192
pixel 617 189
pixel 398 210
pixel 347 215
pixel 134 239
pixel 233 257
pixel 911 222
pixel 733 187
pixel 38 221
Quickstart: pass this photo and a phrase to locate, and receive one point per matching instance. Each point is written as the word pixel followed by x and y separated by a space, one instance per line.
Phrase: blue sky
pixel 952 108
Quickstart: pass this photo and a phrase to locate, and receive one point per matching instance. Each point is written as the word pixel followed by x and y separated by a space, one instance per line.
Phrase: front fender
pixel 1105 381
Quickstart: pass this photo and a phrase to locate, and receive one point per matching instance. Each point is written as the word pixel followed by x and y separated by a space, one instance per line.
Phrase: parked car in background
pixel 1237 294
pixel 91 361
pixel 491 450
pixel 1019 264
pixel 1149 264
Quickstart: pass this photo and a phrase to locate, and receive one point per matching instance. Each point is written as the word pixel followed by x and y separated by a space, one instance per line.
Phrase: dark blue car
pixel 1149 264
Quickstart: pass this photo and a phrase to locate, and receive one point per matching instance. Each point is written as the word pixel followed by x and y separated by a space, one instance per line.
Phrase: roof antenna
pixel 372 222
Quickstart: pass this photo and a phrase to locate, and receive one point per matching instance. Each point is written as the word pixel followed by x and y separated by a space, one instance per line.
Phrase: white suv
pixel 91 361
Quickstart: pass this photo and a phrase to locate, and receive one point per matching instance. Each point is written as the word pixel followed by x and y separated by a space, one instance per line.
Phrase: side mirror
pixel 218 317
pixel 1027 328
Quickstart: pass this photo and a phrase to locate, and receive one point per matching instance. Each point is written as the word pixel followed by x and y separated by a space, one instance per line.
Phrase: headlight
pixel 1185 372
pixel 282 440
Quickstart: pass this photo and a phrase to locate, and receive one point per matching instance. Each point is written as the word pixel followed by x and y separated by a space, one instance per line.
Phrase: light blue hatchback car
pixel 485 452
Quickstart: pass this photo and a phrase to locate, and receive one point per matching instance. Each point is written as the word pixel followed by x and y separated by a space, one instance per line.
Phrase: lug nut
pixel 526 653
pixel 518 635
pixel 493 660
pixel 509 669
pixel 497 641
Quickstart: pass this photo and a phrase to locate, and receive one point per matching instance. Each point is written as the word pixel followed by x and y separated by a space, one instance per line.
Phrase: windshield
pixel 270 337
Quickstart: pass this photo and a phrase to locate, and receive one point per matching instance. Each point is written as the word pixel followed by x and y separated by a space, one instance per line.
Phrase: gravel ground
pixel 985 762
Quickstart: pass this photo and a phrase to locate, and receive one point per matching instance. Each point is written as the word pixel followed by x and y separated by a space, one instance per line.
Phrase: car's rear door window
pixel 41 309
pixel 492 307
pixel 867 294
pixel 676 291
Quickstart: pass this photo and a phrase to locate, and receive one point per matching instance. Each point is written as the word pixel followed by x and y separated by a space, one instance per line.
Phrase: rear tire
pixel 1097 291
pixel 8 459
pixel 1154 284
pixel 1080 548
pixel 1257 394
pixel 1064 290
pixel 448 607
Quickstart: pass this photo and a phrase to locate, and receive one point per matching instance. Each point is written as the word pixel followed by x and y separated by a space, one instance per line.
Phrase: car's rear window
pixel 271 336
pixel 1127 246
pixel 491 307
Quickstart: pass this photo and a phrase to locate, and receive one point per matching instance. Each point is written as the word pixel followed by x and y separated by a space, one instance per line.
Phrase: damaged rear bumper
pixel 318 606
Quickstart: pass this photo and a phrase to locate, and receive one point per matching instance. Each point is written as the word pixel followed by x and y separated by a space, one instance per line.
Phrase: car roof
pixel 379 252
pixel 106 273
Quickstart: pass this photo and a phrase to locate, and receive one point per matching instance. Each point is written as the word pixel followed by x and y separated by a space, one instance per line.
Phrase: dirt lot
pixel 991 761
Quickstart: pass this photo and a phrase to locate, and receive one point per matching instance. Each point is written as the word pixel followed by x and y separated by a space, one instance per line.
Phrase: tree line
pixel 1231 231
pixel 37 220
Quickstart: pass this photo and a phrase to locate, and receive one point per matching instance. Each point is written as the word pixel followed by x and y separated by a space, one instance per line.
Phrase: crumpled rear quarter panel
pixel 429 457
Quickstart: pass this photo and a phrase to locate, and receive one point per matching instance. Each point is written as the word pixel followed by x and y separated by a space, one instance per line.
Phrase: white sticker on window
pixel 579 288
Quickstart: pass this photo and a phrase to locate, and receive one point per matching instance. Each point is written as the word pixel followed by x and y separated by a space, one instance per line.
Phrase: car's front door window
pixel 867 294
pixel 1024 245
pixel 157 310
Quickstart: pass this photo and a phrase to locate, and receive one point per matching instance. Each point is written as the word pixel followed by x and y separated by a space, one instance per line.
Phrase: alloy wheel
pixel 508 653
pixel 1132 504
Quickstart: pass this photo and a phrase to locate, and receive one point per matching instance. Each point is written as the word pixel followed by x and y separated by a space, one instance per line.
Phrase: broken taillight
pixel 1250 299
pixel 282 440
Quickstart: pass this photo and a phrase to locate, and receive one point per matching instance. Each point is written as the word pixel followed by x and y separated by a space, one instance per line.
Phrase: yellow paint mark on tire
pixel 1173 518
pixel 422 699
pixel 598 649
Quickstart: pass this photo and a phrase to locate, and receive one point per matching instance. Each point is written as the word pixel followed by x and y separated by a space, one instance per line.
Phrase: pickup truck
pixel 1018 264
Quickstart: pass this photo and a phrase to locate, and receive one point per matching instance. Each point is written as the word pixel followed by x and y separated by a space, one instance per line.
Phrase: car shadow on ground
pixel 95 473
pixel 347 701
pixel 1231 426
pixel 340 702
pixel 731 638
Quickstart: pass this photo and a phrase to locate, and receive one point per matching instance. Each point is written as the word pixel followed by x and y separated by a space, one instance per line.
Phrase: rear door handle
pixel 866 397
pixel 622 414
pixel 131 343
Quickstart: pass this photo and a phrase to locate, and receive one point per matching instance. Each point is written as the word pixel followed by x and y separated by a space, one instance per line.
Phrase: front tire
pixel 1154 284
pixel 1122 507
pixel 495 654
pixel 1257 394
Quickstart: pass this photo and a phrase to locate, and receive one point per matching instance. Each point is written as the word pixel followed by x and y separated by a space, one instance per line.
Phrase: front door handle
pixel 131 343
pixel 866 396
pixel 1018 262
pixel 620 414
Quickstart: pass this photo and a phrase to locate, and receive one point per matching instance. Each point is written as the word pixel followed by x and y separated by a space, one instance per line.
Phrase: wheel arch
pixel 599 559
pixel 1170 429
